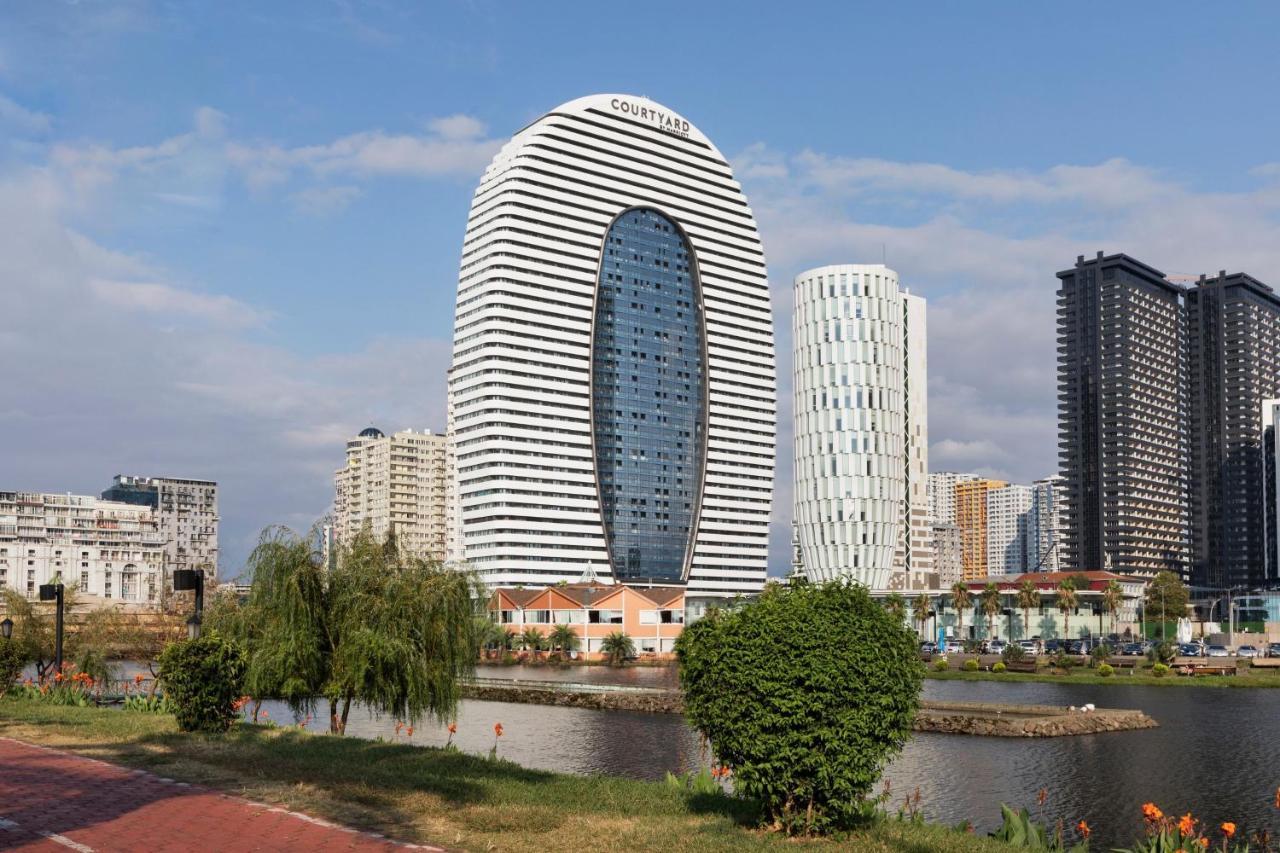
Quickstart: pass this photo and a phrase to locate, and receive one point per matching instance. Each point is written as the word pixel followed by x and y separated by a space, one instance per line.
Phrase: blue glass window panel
pixel 649 397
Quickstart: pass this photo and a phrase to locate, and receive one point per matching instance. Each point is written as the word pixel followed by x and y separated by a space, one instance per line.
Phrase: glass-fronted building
pixel 612 393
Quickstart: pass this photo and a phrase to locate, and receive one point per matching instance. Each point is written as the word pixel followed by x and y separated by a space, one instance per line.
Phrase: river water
pixel 1215 754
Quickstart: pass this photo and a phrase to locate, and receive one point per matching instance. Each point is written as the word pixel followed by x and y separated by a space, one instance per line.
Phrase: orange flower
pixel 1204 842
pixel 137 679
pixel 1083 829
pixel 57 676
pixel 399 726
pixel 1278 798
pixel 1042 796
pixel 1187 825
pixel 1228 829
pixel 1151 812
pixel 409 731
pixel 453 728
pixel 497 729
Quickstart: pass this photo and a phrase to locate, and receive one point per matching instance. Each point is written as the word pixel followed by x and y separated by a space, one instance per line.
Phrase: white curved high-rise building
pixel 612 394
pixel 860 427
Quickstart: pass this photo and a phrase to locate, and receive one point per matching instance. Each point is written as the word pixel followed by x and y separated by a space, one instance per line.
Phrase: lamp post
pixel 53 592
pixel 6 628
pixel 193 579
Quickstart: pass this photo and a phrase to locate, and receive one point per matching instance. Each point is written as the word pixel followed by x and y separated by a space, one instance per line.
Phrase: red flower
pixel 137 679
pixel 409 731
pixel 453 728
pixel 497 729
pixel 1083 829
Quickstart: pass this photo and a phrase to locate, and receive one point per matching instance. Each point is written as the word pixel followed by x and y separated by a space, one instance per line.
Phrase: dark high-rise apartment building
pixel 1122 412
pixel 1233 359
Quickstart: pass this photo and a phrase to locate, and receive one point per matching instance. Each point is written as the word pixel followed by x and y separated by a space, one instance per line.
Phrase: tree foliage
pixel 13 659
pixel 961 600
pixel 991 599
pixel 805 693
pixel 202 679
pixel 617 647
pixel 1166 598
pixel 381 628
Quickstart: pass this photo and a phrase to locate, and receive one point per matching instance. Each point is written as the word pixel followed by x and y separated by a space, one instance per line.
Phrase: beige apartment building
pixel 971 518
pixel 397 484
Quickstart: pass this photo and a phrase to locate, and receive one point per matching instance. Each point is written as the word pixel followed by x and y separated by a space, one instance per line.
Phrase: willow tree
pixel 382 628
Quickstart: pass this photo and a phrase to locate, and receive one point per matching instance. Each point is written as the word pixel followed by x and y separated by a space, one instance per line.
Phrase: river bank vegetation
pixel 443 796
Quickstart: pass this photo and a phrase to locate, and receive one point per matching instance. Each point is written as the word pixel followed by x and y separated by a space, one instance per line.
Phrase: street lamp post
pixel 6 628
pixel 191 579
pixel 53 592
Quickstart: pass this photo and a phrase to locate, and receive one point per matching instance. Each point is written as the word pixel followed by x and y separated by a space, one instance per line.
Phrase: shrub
pixel 1106 670
pixel 13 658
pixel 971 665
pixel 1099 654
pixel 202 680
pixel 999 666
pixel 805 694
pixel 1160 670
pixel 941 665
pixel 1013 653
pixel 1062 660
pixel 1162 653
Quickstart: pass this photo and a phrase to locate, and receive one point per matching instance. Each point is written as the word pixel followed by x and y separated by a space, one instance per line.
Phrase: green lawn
pixel 430 795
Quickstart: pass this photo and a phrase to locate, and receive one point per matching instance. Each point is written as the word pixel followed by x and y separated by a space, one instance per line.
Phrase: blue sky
pixel 231 231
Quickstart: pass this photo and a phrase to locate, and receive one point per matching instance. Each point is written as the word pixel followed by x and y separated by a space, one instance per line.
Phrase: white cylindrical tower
pixel 850 458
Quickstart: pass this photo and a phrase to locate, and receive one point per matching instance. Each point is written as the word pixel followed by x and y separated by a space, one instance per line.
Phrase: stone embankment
pixel 969 718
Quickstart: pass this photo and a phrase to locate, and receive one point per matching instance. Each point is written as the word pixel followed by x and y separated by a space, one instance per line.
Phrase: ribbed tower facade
pixel 612 393
pixel 854 435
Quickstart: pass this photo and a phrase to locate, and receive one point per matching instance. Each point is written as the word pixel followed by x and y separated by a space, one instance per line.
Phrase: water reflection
pixel 1215 753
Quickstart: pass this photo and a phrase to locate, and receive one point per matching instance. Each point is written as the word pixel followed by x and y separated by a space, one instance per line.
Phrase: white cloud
pixel 324 201
pixel 22 119
pixel 165 300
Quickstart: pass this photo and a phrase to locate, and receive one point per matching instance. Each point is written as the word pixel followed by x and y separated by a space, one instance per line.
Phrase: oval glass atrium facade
pixel 648 397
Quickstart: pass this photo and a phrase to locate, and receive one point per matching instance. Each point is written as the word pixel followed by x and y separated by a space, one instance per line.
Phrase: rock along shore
pixel 968 718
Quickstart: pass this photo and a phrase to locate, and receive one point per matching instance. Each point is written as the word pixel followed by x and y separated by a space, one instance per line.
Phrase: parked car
pixel 996 647
pixel 1133 650
pixel 1031 647
pixel 954 647
pixel 928 648
pixel 1273 650
pixel 1077 647
pixel 1217 651
pixel 1248 652
pixel 1052 646
pixel 1190 650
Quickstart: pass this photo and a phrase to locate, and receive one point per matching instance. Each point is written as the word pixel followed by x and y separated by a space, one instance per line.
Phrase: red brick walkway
pixel 55 801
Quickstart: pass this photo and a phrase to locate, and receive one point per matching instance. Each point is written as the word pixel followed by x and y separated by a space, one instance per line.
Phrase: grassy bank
pixel 431 795
pixel 1246 678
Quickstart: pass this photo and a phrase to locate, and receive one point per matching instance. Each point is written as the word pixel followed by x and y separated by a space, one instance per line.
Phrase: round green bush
pixel 805 693
pixel 971 665
pixel 1106 670
pixel 202 679
pixel 941 665
pixel 1160 670
pixel 999 666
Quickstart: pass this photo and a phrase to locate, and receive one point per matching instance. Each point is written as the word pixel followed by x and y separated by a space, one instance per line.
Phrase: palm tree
pixel 920 610
pixel 617 647
pixel 1112 597
pixel 990 606
pixel 896 605
pixel 1067 601
pixel 961 599
pixel 563 639
pixel 531 640
pixel 1028 598
pixel 508 639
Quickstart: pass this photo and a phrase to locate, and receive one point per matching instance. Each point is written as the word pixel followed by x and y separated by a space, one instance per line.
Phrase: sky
pixel 229 233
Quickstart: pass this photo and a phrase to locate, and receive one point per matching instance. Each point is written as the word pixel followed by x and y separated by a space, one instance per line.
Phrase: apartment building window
pixel 31 582
pixel 84 580
pixel 604 617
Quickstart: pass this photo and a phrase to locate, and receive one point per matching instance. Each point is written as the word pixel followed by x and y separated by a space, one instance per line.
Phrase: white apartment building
pixel 1008 520
pixel 860 427
pixel 948 562
pixel 942 495
pixel 186 512
pixel 1049 497
pixel 396 484
pixel 109 550
pixel 612 392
